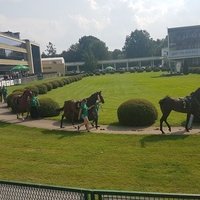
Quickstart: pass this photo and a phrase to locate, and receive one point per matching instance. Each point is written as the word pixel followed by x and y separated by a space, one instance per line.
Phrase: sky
pixel 64 22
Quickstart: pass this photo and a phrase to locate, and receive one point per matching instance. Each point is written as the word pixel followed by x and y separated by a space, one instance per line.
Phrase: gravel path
pixel 7 116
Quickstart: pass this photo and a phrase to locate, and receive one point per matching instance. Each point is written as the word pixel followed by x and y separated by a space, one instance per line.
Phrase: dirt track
pixel 7 116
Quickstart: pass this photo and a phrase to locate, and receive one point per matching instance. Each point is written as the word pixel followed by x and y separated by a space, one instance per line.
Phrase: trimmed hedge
pixel 137 112
pixel 34 89
pixel 11 97
pixel 42 88
pixel 48 107
pixel 49 86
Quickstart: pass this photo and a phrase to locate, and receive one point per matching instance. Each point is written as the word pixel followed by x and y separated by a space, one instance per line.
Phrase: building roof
pixel 54 58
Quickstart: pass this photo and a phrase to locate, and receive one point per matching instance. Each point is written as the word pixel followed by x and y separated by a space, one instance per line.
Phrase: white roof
pixel 54 58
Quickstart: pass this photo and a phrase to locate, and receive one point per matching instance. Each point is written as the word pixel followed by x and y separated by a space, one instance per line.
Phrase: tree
pixel 117 54
pixel 157 46
pixel 50 51
pixel 138 44
pixel 92 44
pixel 89 49
pixel 73 54
pixel 90 62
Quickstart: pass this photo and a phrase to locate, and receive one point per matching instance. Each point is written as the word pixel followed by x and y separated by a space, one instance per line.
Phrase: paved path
pixel 7 116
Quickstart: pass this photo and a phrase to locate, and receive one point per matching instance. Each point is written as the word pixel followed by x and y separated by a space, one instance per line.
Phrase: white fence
pixel 10 82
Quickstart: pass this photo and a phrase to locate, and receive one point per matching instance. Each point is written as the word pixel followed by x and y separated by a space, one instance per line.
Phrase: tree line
pixel 91 49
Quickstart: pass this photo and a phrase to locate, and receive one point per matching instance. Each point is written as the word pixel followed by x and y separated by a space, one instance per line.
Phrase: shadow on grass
pixel 63 133
pixel 178 135
pixel 4 124
pixel 167 75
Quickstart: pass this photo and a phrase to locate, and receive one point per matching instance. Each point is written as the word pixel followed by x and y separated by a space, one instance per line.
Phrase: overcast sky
pixel 64 22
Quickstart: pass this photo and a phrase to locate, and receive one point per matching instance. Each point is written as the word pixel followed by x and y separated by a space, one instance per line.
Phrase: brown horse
pixel 71 109
pixel 21 103
pixel 189 105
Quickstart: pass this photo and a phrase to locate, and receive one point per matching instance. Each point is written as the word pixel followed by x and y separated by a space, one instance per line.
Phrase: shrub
pixel 60 83
pixel 11 97
pixel 34 89
pixel 42 88
pixel 48 107
pixel 54 84
pixel 49 86
pixel 137 112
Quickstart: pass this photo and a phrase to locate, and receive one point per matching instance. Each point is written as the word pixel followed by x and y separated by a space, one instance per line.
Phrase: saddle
pixel 187 101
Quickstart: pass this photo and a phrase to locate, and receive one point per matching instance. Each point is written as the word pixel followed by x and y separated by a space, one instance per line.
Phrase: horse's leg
pixel 187 122
pixel 96 120
pixel 164 119
pixel 27 115
pixel 161 124
pixel 23 116
pixel 72 120
pixel 61 122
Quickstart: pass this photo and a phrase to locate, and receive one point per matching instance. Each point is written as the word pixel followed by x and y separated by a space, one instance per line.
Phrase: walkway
pixel 7 116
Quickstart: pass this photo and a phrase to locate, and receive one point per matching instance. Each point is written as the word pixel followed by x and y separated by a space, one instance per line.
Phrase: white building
pixel 56 64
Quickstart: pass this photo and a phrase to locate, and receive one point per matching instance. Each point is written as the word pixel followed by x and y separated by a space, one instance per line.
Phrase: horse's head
pixel 27 93
pixel 100 97
pixel 94 97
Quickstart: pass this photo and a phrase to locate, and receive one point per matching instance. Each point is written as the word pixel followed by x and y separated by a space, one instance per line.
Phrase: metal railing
pixel 23 191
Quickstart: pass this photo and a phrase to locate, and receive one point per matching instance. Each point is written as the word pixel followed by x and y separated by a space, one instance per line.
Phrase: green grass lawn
pixel 153 163
pixel 117 88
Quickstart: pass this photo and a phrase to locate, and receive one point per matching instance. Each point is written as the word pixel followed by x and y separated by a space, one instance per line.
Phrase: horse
pixel 21 103
pixel 189 105
pixel 71 109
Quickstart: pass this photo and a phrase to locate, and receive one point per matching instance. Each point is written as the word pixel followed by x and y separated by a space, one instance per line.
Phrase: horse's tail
pixel 60 109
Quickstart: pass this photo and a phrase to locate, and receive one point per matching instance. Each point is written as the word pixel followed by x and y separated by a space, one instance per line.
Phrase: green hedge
pixel 137 112
pixel 48 107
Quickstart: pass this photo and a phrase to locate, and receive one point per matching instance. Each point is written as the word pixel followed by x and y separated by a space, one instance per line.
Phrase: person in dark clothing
pixel 4 93
pixel 1 94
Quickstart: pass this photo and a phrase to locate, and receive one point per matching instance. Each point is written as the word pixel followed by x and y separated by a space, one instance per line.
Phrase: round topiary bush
pixel 49 86
pixel 137 112
pixel 48 107
pixel 34 89
pixel 54 84
pixel 11 97
pixel 42 88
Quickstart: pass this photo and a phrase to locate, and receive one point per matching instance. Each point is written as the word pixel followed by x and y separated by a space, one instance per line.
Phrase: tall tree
pixel 138 44
pixel 94 45
pixel 117 54
pixel 89 49
pixel 50 50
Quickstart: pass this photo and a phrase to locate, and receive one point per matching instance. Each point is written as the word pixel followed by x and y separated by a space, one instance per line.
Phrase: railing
pixel 23 191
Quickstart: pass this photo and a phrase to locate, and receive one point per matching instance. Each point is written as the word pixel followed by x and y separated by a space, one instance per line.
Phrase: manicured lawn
pixel 153 163
pixel 117 88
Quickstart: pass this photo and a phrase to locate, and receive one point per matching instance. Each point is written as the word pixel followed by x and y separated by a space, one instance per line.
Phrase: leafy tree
pixel 90 61
pixel 50 51
pixel 138 44
pixel 92 44
pixel 73 54
pixel 157 46
pixel 117 54
pixel 87 47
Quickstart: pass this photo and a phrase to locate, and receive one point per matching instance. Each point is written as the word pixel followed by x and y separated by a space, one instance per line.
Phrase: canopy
pixel 20 68
pixel 109 68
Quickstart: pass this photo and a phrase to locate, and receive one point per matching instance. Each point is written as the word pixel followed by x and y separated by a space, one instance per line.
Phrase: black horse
pixel 189 105
pixel 71 109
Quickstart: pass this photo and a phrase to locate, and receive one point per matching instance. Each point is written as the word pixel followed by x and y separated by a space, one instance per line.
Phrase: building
pixel 184 46
pixel 14 51
pixel 56 64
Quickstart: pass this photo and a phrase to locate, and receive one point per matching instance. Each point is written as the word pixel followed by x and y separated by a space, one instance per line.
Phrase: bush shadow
pixel 63 133
pixel 178 135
